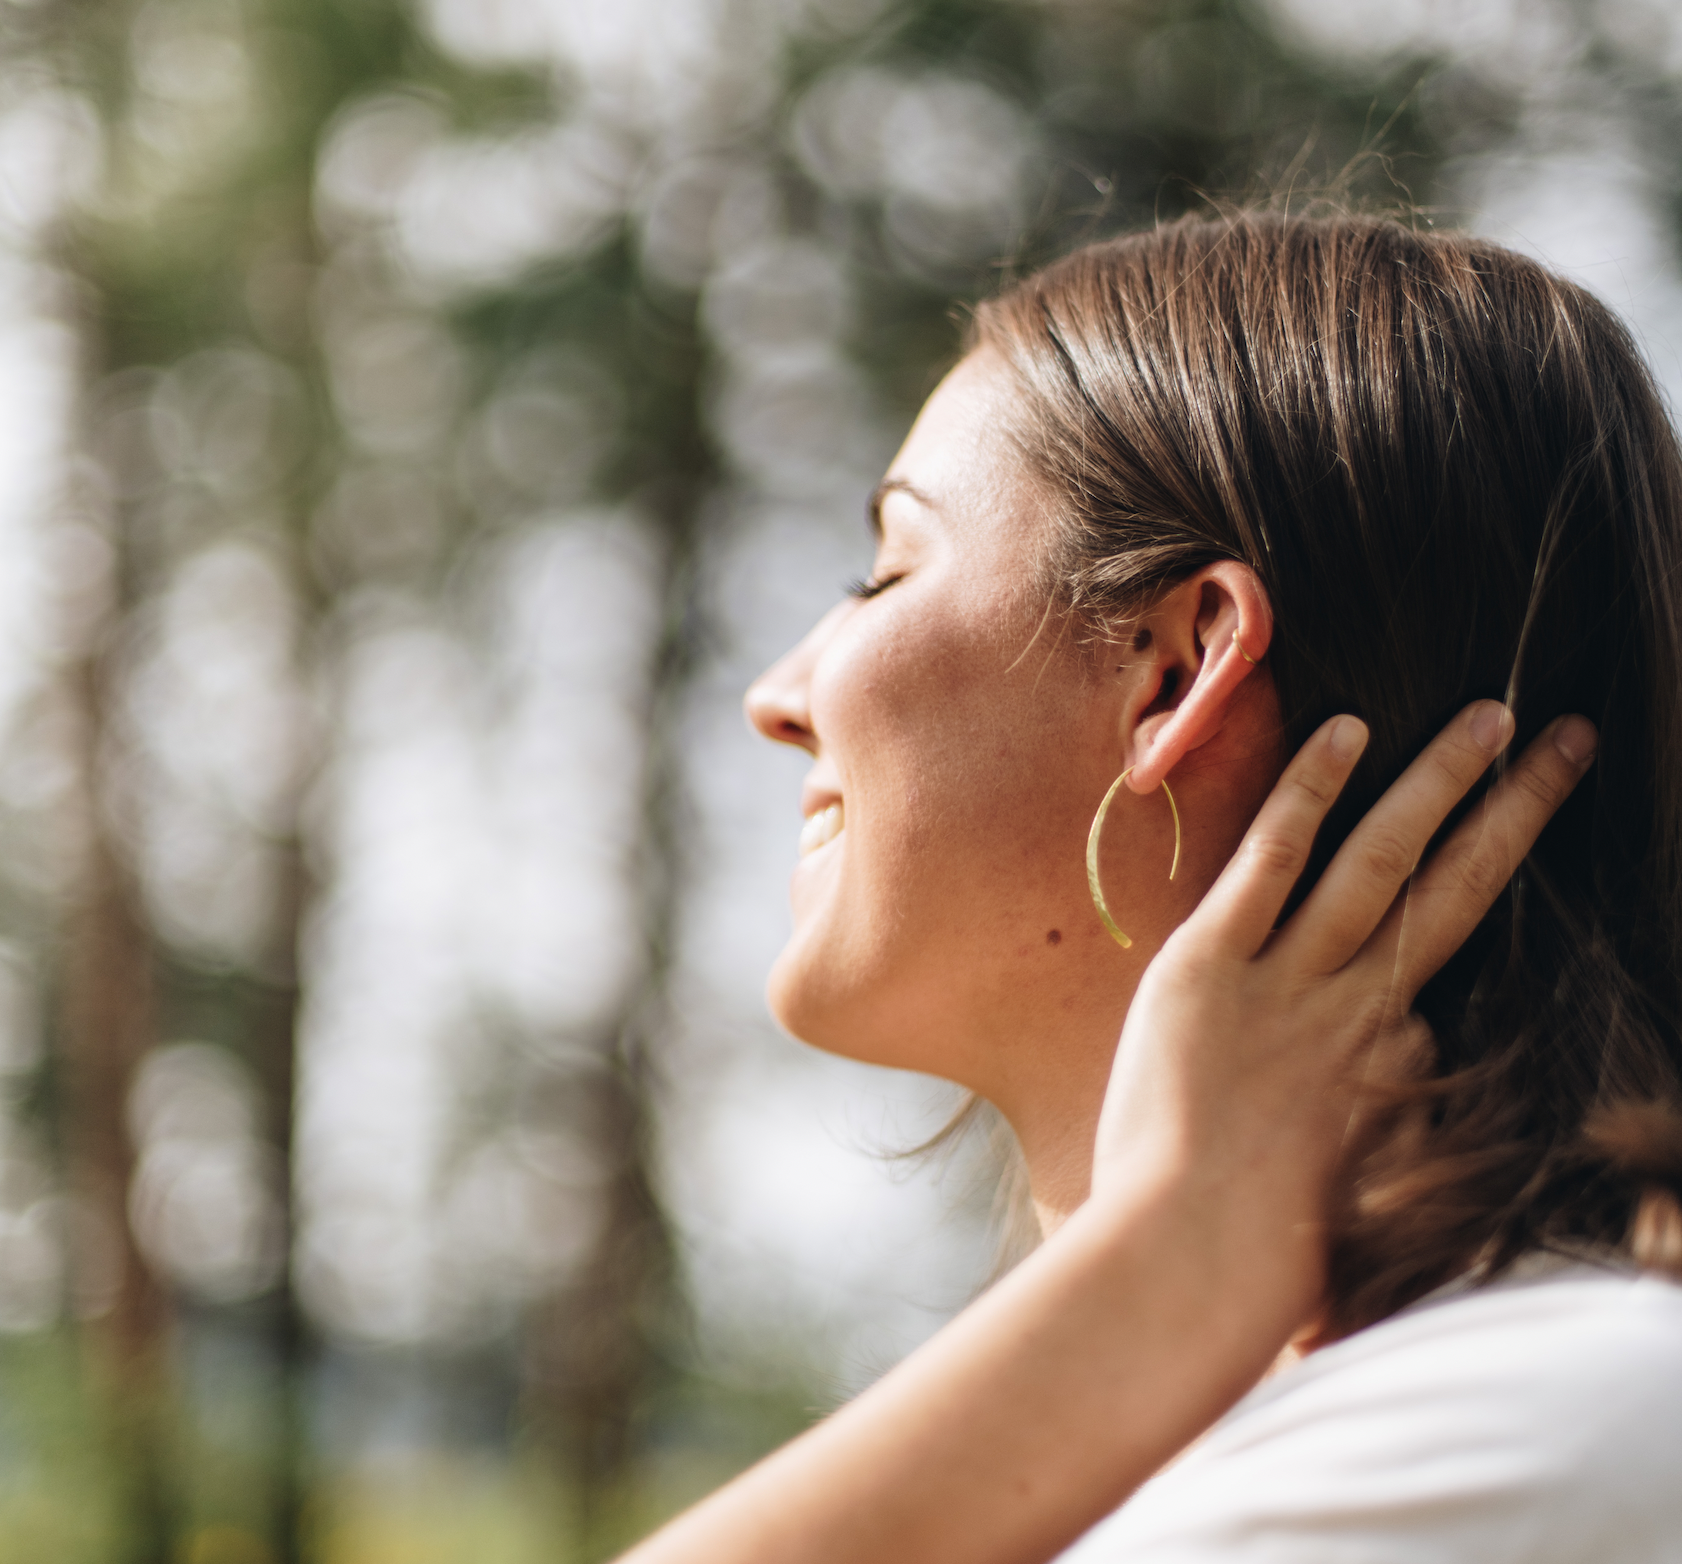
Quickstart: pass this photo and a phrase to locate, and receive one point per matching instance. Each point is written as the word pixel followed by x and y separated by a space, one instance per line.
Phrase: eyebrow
pixel 873 507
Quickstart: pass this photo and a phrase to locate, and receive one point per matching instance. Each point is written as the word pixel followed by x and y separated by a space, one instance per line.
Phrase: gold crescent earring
pixel 1092 838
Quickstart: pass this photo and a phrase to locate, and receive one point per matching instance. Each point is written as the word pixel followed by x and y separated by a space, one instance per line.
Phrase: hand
pixel 1160 1301
pixel 1250 1050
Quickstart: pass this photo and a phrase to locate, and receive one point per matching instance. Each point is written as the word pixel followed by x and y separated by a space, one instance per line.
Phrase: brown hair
pixel 1456 479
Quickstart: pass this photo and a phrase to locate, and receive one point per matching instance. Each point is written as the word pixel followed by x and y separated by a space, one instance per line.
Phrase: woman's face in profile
pixel 961 739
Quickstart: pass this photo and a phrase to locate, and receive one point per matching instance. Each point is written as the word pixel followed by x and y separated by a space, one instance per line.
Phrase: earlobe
pixel 1212 632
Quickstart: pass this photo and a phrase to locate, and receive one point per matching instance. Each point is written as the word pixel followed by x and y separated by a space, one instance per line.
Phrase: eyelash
pixel 865 590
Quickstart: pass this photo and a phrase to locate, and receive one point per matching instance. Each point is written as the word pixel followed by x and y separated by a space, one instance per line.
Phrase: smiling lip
pixel 822 827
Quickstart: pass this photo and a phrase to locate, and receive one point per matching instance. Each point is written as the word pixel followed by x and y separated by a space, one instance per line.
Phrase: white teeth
pixel 822 827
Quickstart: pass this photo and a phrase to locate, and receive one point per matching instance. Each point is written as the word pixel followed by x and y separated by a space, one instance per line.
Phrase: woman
pixel 1188 497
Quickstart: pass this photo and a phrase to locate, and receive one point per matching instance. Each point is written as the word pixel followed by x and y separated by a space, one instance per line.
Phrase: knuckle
pixel 1273 854
pixel 1319 790
pixel 1387 855
pixel 1358 1015
pixel 1369 1013
pixel 1192 966
pixel 1453 762
pixel 1534 785
pixel 1454 771
pixel 1486 871
pixel 1456 761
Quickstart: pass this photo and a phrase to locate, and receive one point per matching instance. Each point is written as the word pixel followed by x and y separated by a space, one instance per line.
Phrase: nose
pixel 778 703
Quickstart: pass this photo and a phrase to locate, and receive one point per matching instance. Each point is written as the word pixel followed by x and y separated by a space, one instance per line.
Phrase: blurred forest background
pixel 418 421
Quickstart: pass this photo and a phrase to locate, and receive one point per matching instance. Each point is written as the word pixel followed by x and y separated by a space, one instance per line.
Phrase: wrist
pixel 1240 1247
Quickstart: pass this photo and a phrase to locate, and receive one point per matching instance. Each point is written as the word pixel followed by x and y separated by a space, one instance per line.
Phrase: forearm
pixel 1031 1415
pixel 1236 1089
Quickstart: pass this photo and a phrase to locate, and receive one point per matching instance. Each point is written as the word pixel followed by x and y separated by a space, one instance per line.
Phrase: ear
pixel 1206 637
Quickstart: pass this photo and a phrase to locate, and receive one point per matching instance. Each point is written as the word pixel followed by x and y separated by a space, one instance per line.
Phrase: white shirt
pixel 1537 1419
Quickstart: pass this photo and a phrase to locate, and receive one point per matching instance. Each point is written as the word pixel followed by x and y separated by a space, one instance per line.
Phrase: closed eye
pixel 867 589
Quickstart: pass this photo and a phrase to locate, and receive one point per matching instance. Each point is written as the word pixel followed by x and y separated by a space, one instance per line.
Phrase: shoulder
pixel 1557 1360
pixel 1536 1419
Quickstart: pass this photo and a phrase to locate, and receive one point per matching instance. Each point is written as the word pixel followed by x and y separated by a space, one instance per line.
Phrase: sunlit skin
pixel 969 731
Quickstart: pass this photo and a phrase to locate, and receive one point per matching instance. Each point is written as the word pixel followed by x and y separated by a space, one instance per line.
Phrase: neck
pixel 1056 1132
pixel 1051 1091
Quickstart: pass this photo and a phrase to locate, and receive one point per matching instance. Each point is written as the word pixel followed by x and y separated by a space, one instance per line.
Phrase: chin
pixel 870 974
pixel 864 1003
pixel 805 998
pixel 816 983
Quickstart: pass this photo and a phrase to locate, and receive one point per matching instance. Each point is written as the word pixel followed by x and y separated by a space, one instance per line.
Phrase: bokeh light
pixel 418 424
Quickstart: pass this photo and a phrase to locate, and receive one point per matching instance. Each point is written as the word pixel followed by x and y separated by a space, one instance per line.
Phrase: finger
pixel 1244 903
pixel 1362 881
pixel 1460 883
pixel 1398 1055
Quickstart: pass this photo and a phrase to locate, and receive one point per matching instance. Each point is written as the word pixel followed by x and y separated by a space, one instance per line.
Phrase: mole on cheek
pixel 1055 937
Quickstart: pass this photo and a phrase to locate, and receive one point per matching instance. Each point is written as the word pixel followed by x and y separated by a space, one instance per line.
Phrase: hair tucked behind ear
pixel 1456 479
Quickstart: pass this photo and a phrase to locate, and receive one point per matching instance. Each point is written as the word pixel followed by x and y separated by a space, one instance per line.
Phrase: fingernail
pixel 1576 740
pixel 1348 737
pixel 1492 726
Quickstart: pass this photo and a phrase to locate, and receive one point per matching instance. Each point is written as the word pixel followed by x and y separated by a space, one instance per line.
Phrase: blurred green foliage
pixel 212 237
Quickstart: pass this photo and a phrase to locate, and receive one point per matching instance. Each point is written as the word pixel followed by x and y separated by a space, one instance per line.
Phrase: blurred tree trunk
pixel 595 1347
pixel 604 1344
pixel 107 1025
pixel 275 1051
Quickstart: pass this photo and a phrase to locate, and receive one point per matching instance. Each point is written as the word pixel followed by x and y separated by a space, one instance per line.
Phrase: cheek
pixel 969 769
pixel 962 770
pixel 926 926
pixel 915 718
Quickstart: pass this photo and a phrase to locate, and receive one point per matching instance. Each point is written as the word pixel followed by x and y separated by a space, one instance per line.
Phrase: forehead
pixel 960 451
